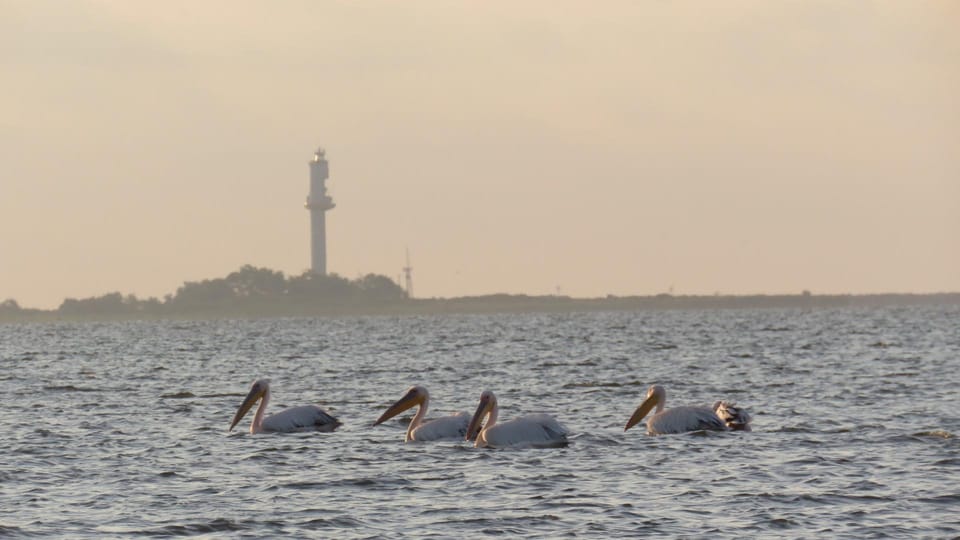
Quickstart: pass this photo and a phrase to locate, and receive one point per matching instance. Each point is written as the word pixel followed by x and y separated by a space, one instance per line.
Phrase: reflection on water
pixel 121 428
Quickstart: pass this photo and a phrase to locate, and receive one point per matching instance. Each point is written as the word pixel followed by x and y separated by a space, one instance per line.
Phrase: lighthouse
pixel 318 202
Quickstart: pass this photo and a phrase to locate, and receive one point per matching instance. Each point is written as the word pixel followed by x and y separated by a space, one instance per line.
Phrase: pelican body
pixel 532 430
pixel 303 418
pixel 445 427
pixel 723 416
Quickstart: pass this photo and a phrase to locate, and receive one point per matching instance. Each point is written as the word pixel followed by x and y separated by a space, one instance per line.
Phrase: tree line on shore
pixel 261 292
pixel 249 290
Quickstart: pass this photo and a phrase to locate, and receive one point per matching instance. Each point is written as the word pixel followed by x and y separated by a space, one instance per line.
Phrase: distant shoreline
pixel 503 304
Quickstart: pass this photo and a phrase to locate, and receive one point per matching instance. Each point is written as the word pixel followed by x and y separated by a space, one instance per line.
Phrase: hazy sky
pixel 521 147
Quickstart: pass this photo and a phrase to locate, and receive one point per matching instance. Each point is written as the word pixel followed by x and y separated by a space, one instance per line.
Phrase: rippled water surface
pixel 120 429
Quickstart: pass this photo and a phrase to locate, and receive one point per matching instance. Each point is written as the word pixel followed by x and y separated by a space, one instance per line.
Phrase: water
pixel 120 429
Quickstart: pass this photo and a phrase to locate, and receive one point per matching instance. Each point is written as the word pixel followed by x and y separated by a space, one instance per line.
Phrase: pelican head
pixel 258 389
pixel 416 395
pixel 487 406
pixel 656 396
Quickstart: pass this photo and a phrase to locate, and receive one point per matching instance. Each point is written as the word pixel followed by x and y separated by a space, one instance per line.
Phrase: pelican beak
pixel 476 423
pixel 641 411
pixel 410 400
pixel 255 394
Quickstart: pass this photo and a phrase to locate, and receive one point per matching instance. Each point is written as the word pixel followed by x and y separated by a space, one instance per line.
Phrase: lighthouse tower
pixel 318 202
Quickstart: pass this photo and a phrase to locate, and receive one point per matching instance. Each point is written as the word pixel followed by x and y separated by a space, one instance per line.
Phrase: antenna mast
pixel 408 276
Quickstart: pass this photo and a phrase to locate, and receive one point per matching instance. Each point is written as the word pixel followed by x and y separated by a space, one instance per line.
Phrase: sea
pixel 120 429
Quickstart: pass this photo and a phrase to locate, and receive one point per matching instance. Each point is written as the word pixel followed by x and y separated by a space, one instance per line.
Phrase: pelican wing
pixel 684 419
pixel 534 430
pixel 445 427
pixel 304 418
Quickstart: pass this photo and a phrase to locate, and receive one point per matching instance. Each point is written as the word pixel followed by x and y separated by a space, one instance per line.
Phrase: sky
pixel 541 147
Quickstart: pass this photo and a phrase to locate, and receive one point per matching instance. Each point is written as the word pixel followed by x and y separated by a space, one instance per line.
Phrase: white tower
pixel 318 202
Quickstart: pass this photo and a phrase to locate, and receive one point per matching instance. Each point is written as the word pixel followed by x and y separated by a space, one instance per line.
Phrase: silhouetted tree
pixel 200 295
pixel 251 282
pixel 379 288
pixel 310 287
pixel 109 304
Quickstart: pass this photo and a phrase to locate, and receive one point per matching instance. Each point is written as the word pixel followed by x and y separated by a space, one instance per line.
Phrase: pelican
pixel 723 416
pixel 532 430
pixel 445 427
pixel 735 418
pixel 304 418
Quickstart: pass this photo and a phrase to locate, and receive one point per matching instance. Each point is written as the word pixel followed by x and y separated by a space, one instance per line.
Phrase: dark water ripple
pixel 119 429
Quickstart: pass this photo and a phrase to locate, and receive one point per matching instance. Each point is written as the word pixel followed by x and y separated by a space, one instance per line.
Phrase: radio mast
pixel 408 276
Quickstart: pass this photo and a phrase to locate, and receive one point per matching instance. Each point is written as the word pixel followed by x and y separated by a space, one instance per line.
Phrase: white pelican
pixel 723 416
pixel 304 418
pixel 532 430
pixel 735 418
pixel 445 427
